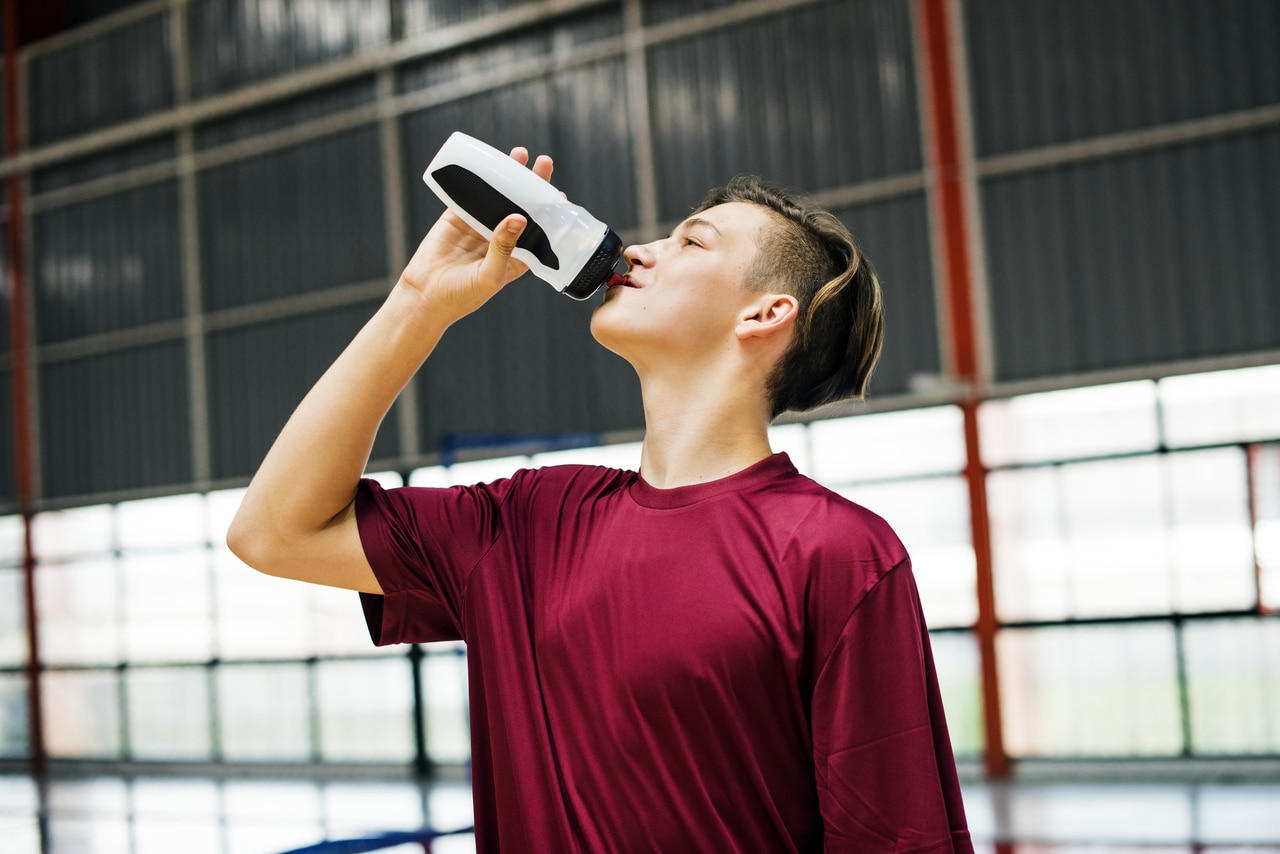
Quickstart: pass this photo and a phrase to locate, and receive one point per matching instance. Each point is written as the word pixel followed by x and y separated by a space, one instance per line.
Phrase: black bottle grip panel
pixel 490 207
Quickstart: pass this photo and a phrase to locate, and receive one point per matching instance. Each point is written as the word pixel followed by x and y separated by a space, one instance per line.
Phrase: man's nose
pixel 638 255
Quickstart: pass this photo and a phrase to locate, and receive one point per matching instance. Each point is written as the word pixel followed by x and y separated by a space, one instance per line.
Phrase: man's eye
pixel 689 241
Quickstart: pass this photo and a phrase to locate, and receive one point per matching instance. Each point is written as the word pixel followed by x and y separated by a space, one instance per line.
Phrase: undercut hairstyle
pixel 810 255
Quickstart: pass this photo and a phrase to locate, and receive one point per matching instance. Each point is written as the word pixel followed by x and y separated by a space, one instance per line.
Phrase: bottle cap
pixel 598 268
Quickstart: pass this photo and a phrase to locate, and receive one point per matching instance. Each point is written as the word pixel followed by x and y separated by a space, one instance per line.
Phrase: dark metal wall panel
pixel 1045 71
pixel 8 481
pixel 6 287
pixel 1135 260
pixel 122 74
pixel 236 42
pixel 115 421
pixel 111 263
pixel 103 164
pixel 259 374
pixel 287 113
pixel 576 116
pixel 662 11
pixel 294 220
pixel 894 234
pixel 415 17
pixel 816 97
pixel 525 366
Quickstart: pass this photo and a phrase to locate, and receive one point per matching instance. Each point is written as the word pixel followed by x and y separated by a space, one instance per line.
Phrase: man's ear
pixel 767 315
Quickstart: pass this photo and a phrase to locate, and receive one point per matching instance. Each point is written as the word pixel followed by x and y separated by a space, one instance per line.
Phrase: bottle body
pixel 563 244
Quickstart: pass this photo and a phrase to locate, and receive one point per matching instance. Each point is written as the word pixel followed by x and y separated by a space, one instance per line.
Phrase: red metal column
pixel 948 200
pixel 23 473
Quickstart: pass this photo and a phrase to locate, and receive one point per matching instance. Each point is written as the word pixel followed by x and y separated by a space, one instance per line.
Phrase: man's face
pixel 685 292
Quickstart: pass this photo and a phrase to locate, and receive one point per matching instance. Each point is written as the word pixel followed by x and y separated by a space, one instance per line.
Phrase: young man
pixel 714 654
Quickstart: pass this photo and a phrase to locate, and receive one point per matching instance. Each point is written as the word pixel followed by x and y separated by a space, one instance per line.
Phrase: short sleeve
pixel 885 771
pixel 422 545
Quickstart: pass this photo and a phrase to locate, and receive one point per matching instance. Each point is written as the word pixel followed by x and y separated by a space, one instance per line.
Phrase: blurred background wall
pixel 1075 208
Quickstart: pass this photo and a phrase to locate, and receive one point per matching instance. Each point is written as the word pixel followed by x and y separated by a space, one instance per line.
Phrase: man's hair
pixel 810 255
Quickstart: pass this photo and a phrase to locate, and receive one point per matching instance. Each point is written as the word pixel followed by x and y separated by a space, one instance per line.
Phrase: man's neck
pixel 699 431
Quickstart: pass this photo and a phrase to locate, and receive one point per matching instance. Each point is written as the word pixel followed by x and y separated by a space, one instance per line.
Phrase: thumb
pixel 494 266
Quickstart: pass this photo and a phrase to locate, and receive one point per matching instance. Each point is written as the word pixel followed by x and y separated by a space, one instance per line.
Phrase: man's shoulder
pixel 836 527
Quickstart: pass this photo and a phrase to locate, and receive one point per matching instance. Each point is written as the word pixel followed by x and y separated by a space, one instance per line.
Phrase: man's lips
pixel 620 281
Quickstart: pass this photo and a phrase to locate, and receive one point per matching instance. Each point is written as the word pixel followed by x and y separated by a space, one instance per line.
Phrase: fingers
pixel 542 166
pixel 493 269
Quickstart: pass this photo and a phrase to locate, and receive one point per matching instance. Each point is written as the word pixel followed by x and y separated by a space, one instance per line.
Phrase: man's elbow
pixel 252 543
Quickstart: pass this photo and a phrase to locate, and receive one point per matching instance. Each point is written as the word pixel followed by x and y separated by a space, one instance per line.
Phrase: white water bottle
pixel 562 243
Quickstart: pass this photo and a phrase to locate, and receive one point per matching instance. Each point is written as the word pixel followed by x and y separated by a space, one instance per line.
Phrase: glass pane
pixel 1233 684
pixel 13 618
pixel 81 714
pixel 388 479
pixel 162 523
pixel 366 710
pixel 444 681
pixel 792 440
pixel 169 713
pixel 79 607
pixel 955 655
pixel 1061 425
pixel 1087 539
pixel 14 717
pixel 887 445
pixel 625 456
pixel 11 538
pixel 359 809
pixel 484 471
pixel 221 507
pixel 89 815
pixel 1224 406
pixel 429 476
pixel 271 816
pixel 176 815
pixel 264 711
pixel 1144 535
pixel 1211 541
pixel 1090 691
pixel 932 518
pixel 167 607
pixel 63 534
pixel 338 626
pixel 260 616
pixel 1265 470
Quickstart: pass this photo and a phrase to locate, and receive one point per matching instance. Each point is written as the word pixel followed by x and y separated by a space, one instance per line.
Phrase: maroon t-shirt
pixel 734 666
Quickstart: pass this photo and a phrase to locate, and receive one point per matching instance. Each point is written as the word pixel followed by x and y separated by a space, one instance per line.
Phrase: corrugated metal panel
pixel 662 11
pixel 894 234
pixel 1045 72
pixel 817 97
pixel 259 374
pixel 8 485
pixel 525 365
pixel 420 16
pixel 235 42
pixel 107 264
pixel 1136 260
pixel 287 113
pixel 102 164
pixel 294 220
pixel 553 38
pixel 121 74
pixel 578 117
pixel 6 286
pixel 115 421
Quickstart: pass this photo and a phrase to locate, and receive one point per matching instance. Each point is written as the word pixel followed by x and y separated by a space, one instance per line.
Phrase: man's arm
pixel 297 519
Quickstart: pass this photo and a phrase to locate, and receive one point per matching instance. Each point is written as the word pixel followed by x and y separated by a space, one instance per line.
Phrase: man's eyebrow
pixel 695 221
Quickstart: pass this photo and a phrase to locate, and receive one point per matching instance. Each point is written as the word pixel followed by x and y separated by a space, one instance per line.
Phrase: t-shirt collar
pixel 752 477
